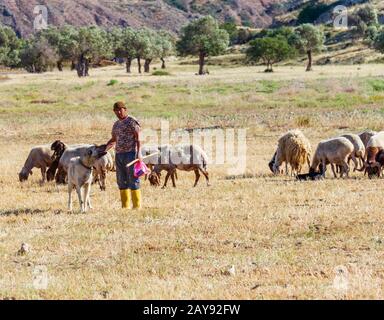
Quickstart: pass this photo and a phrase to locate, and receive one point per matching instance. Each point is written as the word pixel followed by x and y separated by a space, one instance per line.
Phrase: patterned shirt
pixel 124 132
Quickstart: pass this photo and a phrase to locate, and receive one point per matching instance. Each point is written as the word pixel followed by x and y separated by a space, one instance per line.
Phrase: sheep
pixel 374 146
pixel 376 169
pixel 366 135
pixel 333 151
pixel 39 157
pixel 185 157
pixel 161 152
pixel 359 148
pixel 293 149
pixel 102 165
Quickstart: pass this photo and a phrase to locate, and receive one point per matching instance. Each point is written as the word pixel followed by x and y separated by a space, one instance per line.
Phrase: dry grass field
pixel 284 239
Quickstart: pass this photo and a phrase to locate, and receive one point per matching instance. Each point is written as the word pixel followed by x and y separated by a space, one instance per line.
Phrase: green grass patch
pixel 269 86
pixel 377 85
pixel 160 73
pixel 112 82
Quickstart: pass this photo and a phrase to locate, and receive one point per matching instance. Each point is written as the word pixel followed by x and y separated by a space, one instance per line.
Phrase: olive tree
pixel 152 48
pixel 63 40
pixel 37 55
pixel 378 42
pixel 203 37
pixel 368 15
pixel 269 50
pixel 308 39
pixel 10 46
pixel 122 40
pixel 90 45
pixel 167 46
pixel 142 46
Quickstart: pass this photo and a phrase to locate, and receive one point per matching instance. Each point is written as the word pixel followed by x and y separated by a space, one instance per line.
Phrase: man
pixel 126 139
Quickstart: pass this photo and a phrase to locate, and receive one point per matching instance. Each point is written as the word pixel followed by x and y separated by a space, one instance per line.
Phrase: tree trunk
pixel 60 65
pixel 139 64
pixel 309 66
pixel 163 63
pixel 82 67
pixel 86 67
pixel 128 64
pixel 201 63
pixel 147 65
pixel 73 65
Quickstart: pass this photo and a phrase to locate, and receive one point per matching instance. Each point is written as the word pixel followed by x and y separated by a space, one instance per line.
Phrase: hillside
pixel 164 14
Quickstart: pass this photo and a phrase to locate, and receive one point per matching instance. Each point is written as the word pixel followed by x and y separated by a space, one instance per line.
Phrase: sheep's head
pixel 154 179
pixel 373 169
pixel 23 175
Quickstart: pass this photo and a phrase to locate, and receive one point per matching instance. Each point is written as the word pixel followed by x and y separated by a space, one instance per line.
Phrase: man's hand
pixel 111 143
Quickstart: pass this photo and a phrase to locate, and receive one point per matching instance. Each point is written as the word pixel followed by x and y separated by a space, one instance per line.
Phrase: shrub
pixel 161 73
pixel 112 82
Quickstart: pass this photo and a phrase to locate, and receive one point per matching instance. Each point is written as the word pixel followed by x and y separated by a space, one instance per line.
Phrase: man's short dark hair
pixel 119 105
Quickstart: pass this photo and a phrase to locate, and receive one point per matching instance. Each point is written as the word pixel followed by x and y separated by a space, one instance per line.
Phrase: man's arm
pixel 111 143
pixel 138 144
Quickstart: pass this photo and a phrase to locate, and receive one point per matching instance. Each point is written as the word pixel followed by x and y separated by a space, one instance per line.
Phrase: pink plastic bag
pixel 140 169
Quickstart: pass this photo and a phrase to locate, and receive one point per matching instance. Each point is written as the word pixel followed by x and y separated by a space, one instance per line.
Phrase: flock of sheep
pixel 366 150
pixel 54 160
pixel 65 163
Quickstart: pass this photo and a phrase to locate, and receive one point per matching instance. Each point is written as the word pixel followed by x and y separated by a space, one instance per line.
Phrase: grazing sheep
pixel 293 149
pixel 375 170
pixel 374 146
pixel 39 157
pixel 102 166
pixel 366 135
pixel 80 175
pixel 187 157
pixel 161 152
pixel 359 148
pixel 333 151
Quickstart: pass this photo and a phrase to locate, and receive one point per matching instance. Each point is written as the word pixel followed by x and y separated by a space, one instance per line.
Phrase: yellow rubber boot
pixel 125 198
pixel 136 198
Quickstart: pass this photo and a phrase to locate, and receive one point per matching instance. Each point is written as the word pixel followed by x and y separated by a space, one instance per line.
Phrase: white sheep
pixel 102 166
pixel 359 148
pixel 374 146
pixel 293 149
pixel 333 151
pixel 39 157
pixel 185 157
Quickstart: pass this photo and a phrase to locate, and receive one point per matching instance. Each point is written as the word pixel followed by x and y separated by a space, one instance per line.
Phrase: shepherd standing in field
pixel 126 139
